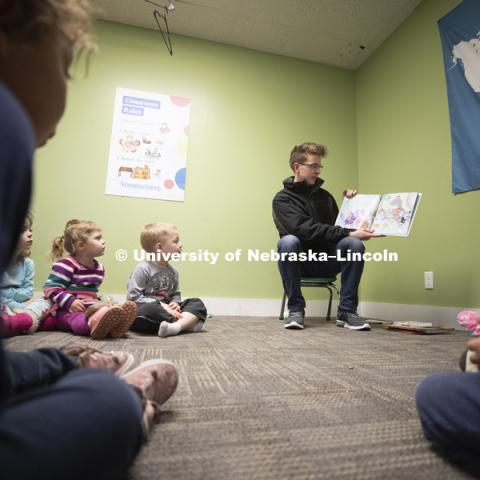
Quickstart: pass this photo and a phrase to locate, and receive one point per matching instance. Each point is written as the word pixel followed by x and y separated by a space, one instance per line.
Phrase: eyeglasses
pixel 312 166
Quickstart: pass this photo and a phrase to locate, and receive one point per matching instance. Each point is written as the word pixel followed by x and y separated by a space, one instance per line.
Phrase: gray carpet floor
pixel 256 401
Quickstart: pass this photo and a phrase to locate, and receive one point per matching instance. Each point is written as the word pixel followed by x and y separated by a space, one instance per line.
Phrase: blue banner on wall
pixel 460 33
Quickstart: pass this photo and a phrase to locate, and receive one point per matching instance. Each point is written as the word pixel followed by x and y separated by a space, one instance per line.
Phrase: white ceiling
pixel 331 32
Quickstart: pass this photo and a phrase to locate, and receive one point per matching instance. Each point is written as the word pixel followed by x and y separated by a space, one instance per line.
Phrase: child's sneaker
pixel 155 381
pixel 16 323
pixel 104 321
pixel 129 310
pixel 93 309
pixel 118 363
pixel 35 324
pixel 468 319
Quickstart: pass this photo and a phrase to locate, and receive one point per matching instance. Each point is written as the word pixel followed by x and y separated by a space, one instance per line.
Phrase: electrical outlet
pixel 428 276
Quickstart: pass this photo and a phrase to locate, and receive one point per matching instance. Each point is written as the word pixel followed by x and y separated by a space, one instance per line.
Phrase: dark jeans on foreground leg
pixel 84 425
pixel 292 272
pixel 449 409
pixel 28 370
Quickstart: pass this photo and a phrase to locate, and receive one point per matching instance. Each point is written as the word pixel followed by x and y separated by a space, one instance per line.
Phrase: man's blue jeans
pixel 292 272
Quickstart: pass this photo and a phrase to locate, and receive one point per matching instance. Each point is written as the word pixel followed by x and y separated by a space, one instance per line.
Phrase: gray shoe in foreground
pixel 155 382
pixel 294 321
pixel 351 320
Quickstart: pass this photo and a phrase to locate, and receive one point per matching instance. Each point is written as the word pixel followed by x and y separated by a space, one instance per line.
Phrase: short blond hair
pixel 75 231
pixel 154 233
pixel 29 20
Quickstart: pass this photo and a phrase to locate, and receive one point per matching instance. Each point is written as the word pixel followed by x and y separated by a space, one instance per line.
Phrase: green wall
pixel 248 110
pixel 404 145
pixel 386 126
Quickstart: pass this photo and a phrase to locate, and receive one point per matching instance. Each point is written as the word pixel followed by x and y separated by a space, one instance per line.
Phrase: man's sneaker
pixel 351 320
pixel 118 363
pixel 294 321
pixel 155 382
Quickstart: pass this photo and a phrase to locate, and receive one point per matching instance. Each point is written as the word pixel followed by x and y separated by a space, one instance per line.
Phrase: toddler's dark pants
pixel 151 315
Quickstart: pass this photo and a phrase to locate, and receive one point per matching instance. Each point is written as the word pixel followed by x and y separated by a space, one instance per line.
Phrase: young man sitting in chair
pixel 304 214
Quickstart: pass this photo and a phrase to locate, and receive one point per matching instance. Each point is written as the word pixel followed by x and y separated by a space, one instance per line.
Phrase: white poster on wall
pixel 148 146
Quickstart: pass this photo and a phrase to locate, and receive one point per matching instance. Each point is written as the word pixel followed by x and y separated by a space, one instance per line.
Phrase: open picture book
pixel 389 214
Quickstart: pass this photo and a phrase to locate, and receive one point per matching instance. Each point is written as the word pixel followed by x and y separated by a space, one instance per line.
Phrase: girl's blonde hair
pixel 28 20
pixel 75 231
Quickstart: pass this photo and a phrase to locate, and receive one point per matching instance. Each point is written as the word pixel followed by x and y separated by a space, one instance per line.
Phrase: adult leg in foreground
pixel 88 424
pixel 449 409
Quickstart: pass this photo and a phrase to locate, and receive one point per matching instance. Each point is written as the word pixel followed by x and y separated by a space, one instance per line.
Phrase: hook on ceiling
pixel 160 17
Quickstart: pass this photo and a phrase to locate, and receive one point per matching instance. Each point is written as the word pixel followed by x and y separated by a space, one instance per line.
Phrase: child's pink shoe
pixel 468 319
pixel 48 323
pixel 103 321
pixel 129 312
pixel 17 323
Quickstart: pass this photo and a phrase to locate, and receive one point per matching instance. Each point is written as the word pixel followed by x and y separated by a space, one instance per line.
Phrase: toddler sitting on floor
pixel 21 311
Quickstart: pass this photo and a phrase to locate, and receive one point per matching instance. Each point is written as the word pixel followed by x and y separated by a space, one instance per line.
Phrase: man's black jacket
pixel 308 212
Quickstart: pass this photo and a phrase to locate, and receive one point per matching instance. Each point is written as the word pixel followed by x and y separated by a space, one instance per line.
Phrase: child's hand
pixel 174 306
pixel 77 306
pixel 171 311
pixel 474 346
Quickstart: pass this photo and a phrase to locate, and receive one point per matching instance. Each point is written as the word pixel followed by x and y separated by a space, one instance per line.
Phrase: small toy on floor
pixel 470 319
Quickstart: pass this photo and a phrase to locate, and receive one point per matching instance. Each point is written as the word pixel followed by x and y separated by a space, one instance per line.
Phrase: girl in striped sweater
pixel 74 282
